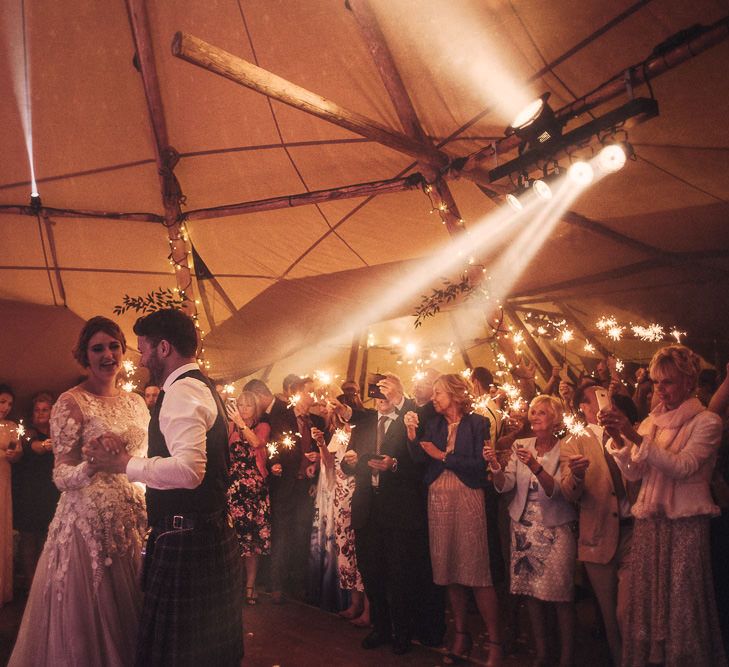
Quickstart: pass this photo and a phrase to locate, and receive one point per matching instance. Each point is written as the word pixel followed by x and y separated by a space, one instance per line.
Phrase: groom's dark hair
pixel 171 325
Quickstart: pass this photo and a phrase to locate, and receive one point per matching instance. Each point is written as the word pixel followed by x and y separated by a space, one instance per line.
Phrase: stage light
pixel 514 202
pixel 581 173
pixel 535 124
pixel 612 158
pixel 527 115
pixel 542 189
pixel 35 202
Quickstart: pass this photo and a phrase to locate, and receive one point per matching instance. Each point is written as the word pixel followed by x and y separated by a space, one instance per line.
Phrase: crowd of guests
pixel 389 514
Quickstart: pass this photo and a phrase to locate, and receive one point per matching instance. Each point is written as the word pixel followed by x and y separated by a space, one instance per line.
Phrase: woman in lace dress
pixel 84 604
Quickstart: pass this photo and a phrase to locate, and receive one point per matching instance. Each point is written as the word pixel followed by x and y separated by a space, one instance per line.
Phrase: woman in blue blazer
pixel 451 446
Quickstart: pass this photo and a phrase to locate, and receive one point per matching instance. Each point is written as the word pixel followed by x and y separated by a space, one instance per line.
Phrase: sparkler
pixel 20 429
pixel 653 333
pixel 129 367
pixel 288 440
pixel 128 386
pixel 229 389
pixel 342 435
pixel 294 400
pixel 619 365
pixel 605 323
pixel 566 336
pixel 589 347
pixel 573 425
pixel 677 335
pixel 272 448
pixel 615 332
pixel 466 373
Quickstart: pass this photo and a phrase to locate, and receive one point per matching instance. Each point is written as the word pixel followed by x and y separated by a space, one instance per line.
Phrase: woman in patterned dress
pixel 543 546
pixel 85 602
pixel 248 492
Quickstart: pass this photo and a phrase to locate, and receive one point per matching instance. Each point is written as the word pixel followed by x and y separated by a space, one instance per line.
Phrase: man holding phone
pixel 389 519
pixel 590 478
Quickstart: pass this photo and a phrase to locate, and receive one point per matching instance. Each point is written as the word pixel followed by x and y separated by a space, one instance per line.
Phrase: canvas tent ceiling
pixel 93 149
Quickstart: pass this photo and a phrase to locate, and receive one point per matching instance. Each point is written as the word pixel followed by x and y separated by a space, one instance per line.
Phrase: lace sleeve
pixel 70 470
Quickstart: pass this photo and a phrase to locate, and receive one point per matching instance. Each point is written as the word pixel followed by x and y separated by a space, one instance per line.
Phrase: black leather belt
pixel 190 521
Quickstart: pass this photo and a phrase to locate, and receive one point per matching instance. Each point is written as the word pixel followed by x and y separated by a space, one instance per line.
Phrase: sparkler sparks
pixel 342 435
pixel 272 448
pixel 294 400
pixel 653 333
pixel 20 430
pixel 589 347
pixel 566 336
pixel 615 332
pixel 573 425
pixel 129 367
pixel 606 323
pixel 619 365
pixel 229 389
pixel 128 386
pixel 466 373
pixel 288 439
pixel 677 335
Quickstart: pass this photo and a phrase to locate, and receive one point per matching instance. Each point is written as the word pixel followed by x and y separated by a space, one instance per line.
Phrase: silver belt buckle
pixel 177 522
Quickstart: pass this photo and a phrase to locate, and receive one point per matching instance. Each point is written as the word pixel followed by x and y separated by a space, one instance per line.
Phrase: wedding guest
pixel 9 446
pixel 151 392
pixel 671 617
pixel 35 496
pixel 543 547
pixel 248 499
pixel 452 445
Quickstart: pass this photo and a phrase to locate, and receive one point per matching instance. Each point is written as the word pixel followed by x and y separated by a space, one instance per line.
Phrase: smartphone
pixel 603 400
pixel 373 391
pixel 379 457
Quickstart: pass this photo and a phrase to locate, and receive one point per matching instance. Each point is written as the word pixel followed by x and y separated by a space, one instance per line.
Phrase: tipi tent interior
pixel 307 171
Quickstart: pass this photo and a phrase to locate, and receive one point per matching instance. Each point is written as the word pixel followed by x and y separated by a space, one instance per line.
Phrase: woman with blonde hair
pixel 451 445
pixel 671 617
pixel 248 499
pixel 543 546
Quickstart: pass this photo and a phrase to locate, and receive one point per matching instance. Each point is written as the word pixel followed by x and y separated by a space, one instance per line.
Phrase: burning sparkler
pixel 573 425
pixel 294 400
pixel 288 439
pixel 129 367
pixel 272 448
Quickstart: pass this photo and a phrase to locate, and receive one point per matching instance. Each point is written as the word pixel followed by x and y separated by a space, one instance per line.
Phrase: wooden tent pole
pixel 385 63
pixel 544 364
pixel 316 197
pixel 166 156
pixel 218 61
pixel 353 355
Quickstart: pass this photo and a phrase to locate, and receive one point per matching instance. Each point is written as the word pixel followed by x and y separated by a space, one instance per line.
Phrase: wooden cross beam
pixel 219 61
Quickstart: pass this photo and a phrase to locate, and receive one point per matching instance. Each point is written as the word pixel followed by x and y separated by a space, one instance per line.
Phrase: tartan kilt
pixel 193 605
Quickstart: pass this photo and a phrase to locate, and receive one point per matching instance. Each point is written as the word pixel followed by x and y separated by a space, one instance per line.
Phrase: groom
pixel 191 571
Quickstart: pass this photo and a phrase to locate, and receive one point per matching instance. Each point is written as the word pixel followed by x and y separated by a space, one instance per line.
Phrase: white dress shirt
pixel 188 412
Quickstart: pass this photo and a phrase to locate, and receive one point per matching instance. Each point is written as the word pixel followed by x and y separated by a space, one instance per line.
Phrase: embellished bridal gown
pixel 85 601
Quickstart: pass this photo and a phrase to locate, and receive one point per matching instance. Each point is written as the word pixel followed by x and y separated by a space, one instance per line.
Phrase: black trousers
pixel 292 513
pixel 395 566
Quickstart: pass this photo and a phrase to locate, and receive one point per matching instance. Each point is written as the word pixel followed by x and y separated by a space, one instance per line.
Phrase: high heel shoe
pixel 458 654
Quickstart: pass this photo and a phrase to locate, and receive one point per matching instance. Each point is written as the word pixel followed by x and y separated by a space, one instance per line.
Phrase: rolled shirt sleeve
pixel 188 412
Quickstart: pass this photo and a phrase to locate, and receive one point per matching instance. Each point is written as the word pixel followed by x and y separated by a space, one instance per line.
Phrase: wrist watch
pixel 394 465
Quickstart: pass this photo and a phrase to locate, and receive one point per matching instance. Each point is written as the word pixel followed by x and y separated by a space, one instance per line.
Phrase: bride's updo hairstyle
pixel 678 358
pixel 89 330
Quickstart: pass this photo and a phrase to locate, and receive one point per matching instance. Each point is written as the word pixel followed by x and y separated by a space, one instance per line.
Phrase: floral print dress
pixel 248 499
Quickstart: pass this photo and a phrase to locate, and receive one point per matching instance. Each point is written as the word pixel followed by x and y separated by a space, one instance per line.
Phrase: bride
pixel 84 604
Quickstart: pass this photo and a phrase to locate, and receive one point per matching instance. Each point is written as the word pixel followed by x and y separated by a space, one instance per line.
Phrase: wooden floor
pixel 297 635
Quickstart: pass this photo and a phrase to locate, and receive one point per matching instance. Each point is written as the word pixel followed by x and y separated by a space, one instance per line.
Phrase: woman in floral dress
pixel 543 545
pixel 248 492
pixel 85 602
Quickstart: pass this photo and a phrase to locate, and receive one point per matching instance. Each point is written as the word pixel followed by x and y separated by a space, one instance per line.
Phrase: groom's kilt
pixel 193 598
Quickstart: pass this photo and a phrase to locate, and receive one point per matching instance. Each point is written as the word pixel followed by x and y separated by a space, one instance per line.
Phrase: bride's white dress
pixel 85 601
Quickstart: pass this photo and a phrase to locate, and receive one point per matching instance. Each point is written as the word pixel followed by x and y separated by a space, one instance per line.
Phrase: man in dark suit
pixel 390 523
pixel 270 406
pixel 292 505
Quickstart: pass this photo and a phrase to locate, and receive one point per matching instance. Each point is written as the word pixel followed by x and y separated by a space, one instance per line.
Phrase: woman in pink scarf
pixel 671 617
